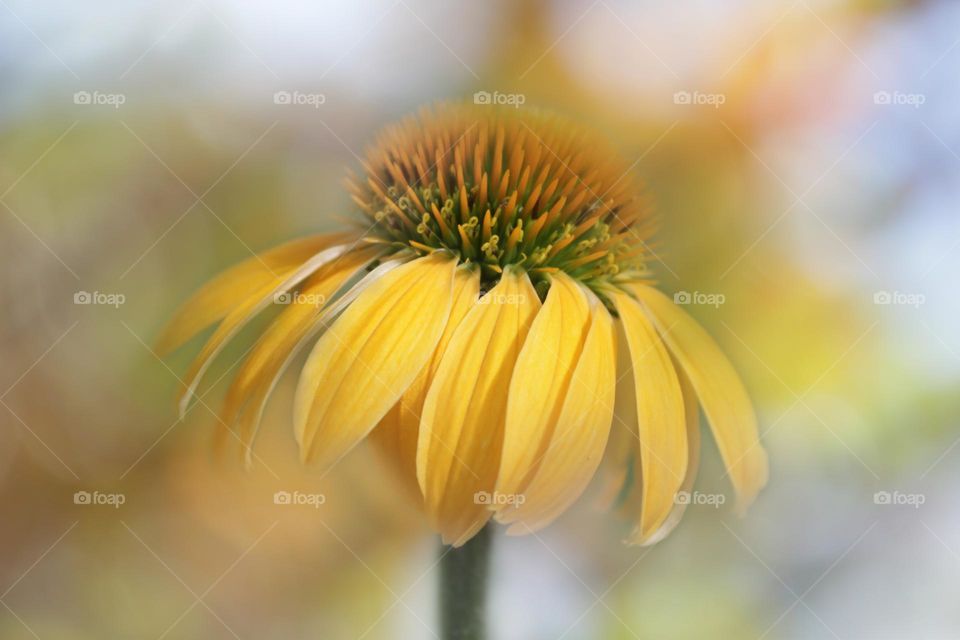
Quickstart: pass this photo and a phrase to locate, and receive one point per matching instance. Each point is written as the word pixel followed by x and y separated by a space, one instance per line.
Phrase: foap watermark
pixel 98 98
pixel 99 298
pixel 699 98
pixel 699 297
pixel 314 100
pixel 494 499
pixel 298 498
pixel 701 499
pixel 914 100
pixel 99 498
pixel 515 100
pixel 898 498
pixel 298 297
pixel 502 298
pixel 900 298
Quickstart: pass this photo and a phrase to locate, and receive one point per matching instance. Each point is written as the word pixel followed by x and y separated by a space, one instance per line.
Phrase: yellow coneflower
pixel 471 325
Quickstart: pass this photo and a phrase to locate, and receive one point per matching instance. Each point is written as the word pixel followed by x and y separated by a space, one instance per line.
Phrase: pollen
pixel 500 187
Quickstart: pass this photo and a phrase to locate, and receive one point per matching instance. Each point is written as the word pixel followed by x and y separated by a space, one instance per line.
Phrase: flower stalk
pixel 463 588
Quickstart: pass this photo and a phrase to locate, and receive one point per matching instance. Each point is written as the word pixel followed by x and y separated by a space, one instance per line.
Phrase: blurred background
pixel 805 159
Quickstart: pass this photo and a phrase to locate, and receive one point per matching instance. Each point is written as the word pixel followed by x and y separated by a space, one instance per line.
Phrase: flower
pixel 471 324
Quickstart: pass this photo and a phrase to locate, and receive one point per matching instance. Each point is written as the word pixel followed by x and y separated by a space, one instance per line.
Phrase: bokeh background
pixel 803 155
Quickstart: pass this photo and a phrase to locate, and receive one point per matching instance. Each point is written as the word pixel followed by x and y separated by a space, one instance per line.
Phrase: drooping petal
pixel 368 357
pixel 461 429
pixel 621 464
pixel 719 389
pixel 397 435
pixel 244 312
pixel 541 381
pixel 251 419
pixel 391 442
pixel 692 414
pixel 660 416
pixel 581 433
pixel 253 381
pixel 228 290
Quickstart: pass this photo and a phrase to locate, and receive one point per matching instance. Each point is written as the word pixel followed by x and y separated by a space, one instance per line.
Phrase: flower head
pixel 526 190
pixel 470 326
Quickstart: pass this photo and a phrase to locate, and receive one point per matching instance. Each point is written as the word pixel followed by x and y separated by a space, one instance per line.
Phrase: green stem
pixel 463 588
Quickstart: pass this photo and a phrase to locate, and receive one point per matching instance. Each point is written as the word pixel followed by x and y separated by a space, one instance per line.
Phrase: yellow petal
pixel 367 358
pixel 226 291
pixel 390 441
pixel 253 381
pixel 719 389
pixel 581 434
pixel 660 418
pixel 540 383
pixel 461 430
pixel 252 416
pixel 621 466
pixel 249 307
pixel 397 434
pixel 692 414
